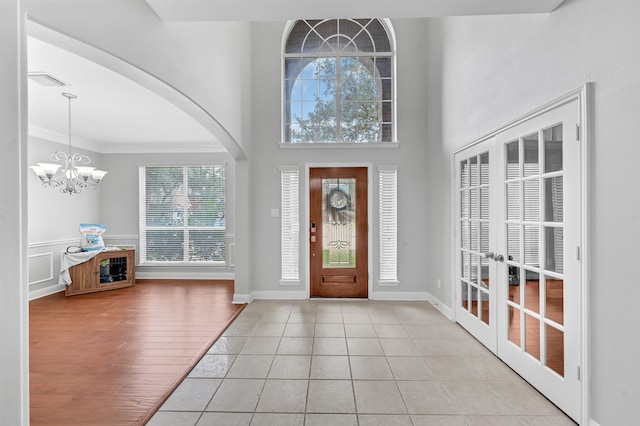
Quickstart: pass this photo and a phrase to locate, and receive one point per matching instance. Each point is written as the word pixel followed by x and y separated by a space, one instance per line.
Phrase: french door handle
pixel 499 258
pixel 489 255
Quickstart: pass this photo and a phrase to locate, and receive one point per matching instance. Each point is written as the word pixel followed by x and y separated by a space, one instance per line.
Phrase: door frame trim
pixel 307 212
pixel 584 96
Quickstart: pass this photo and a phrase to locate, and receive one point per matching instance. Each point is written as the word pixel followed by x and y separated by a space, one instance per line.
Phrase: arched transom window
pixel 338 82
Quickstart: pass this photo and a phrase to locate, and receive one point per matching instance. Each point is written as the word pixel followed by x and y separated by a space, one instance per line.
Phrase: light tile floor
pixel 353 362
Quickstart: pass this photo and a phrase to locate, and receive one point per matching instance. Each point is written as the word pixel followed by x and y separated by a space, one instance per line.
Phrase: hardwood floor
pixel 111 358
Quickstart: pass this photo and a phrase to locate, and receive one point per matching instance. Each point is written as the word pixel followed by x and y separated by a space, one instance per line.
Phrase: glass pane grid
pixel 343 89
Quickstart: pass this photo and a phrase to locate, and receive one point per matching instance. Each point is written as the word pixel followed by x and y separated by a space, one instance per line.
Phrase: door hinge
pixel 578 135
pixel 578 371
pixel 578 253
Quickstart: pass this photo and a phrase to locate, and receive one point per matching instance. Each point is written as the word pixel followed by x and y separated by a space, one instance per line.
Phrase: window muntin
pixel 182 214
pixel 338 82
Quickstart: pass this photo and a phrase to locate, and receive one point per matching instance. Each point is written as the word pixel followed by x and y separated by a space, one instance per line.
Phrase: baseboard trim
pixel 277 295
pixel 439 305
pixel 241 299
pixel 399 295
pixel 184 275
pixel 47 291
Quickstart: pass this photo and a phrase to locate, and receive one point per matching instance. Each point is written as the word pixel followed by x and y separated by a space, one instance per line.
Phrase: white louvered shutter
pixel 388 219
pixel 290 225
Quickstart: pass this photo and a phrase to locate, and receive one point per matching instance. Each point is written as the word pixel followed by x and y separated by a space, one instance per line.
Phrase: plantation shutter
pixel 388 219
pixel 182 214
pixel 290 225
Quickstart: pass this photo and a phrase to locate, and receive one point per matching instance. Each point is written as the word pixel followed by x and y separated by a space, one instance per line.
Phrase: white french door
pixel 475 237
pixel 524 247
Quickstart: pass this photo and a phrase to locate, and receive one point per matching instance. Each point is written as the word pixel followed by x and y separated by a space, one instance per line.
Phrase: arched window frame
pixel 388 118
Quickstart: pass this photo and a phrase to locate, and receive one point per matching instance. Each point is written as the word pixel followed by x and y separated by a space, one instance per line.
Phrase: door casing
pixel 305 225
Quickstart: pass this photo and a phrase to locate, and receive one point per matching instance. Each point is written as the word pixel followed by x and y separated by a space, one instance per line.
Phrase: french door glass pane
pixel 532 336
pixel 464 204
pixel 514 326
pixel 464 174
pixel 513 201
pixel 484 237
pixel 555 349
pixel 475 204
pixel 553 149
pixel 484 168
pixel 531 162
pixel 553 195
pixel 554 259
pixel 464 234
pixel 531 200
pixel 531 245
pixel 484 203
pixel 475 175
pixel 475 236
pixel 532 291
pixel 554 299
pixel 466 265
pixel 513 160
pixel 513 242
pixel 464 295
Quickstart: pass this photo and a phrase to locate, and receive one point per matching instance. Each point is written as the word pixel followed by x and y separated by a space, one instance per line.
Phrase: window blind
pixel 290 224
pixel 182 214
pixel 388 219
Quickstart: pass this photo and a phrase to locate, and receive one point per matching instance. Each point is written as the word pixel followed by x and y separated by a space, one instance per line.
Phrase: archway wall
pixel 201 67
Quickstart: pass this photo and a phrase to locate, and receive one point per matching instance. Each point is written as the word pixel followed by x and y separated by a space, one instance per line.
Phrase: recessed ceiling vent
pixel 44 79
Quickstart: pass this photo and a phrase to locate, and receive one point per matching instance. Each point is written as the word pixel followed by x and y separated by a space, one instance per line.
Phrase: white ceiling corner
pixel 111 113
pixel 267 10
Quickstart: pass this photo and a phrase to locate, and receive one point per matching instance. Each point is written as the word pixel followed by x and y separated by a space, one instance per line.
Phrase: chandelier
pixel 73 174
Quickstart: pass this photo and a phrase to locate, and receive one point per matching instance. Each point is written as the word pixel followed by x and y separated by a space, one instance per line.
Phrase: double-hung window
pixel 182 214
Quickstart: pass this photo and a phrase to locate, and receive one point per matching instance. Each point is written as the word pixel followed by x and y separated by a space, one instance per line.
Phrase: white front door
pixel 518 242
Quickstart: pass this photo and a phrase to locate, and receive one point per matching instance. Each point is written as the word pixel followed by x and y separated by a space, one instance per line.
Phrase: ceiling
pixel 263 10
pixel 110 114
pixel 113 114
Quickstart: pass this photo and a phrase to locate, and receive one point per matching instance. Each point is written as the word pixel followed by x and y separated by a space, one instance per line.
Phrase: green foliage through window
pixel 338 82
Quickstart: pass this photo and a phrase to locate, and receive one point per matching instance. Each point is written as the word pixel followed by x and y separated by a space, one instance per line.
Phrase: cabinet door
pixel 106 271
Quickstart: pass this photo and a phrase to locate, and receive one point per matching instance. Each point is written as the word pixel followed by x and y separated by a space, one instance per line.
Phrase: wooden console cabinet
pixel 107 270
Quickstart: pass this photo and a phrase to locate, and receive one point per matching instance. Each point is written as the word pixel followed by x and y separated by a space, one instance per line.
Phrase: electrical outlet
pixel 439 283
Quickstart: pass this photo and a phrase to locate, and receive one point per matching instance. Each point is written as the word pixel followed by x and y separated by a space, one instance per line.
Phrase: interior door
pixel 338 227
pixel 539 247
pixel 475 243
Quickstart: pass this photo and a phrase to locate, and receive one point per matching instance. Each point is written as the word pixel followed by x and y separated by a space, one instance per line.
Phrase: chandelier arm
pixel 73 174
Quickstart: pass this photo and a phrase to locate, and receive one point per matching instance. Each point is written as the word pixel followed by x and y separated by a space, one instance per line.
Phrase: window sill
pixel 341 145
pixel 183 264
pixel 289 282
pixel 388 283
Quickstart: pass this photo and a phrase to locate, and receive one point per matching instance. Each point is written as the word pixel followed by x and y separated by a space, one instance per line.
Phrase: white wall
pixel 495 69
pixel 14 350
pixel 119 207
pixel 413 135
pixel 54 218
pixel 208 62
